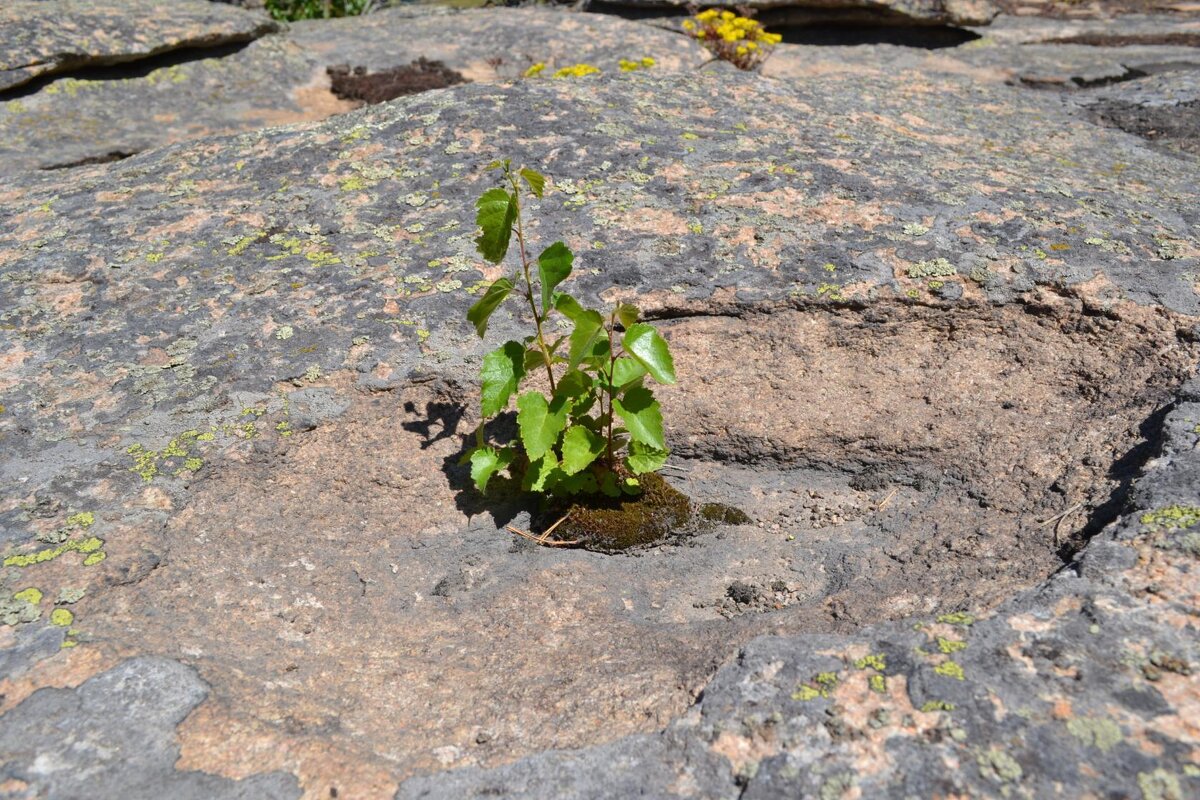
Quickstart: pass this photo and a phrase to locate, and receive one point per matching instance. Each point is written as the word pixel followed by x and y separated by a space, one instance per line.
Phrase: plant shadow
pixel 441 420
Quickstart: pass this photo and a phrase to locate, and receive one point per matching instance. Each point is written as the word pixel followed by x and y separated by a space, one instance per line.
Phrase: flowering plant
pixel 740 40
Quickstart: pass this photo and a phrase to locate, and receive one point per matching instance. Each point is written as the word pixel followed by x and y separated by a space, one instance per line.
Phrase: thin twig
pixel 550 530
pixel 883 503
pixel 1056 517
pixel 533 538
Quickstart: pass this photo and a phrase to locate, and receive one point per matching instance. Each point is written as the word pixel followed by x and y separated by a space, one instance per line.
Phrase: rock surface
pixel 934 332
pixel 42 37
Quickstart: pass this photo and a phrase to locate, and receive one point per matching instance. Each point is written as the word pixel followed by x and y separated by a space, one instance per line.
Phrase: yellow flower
pixel 576 71
pixel 535 69
pixel 648 62
pixel 728 15
pixel 688 25
pixel 741 51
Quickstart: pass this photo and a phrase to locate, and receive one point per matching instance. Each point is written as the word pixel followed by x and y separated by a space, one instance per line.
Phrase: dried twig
pixel 538 540
pixel 883 503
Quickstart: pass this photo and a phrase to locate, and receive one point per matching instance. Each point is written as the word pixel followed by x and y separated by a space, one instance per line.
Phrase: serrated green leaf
pixel 626 370
pixel 497 164
pixel 540 422
pixel 589 325
pixel 644 343
pixel 542 474
pixel 554 265
pixel 536 181
pixel 573 384
pixel 583 482
pixel 479 314
pixel 497 213
pixel 580 448
pixel 534 359
pixel 502 370
pixel 643 458
pixel 486 462
pixel 609 485
pixel 627 315
pixel 642 416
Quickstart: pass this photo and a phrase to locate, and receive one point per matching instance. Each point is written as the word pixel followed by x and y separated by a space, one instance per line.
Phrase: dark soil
pixel 1180 39
pixel 379 87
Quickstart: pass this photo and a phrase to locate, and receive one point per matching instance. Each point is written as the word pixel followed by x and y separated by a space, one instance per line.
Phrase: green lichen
pixel 875 661
pixel 1103 734
pixel 836 786
pixel 31 595
pixel 1172 517
pixel 948 646
pixel 90 546
pixel 950 669
pixel 67 596
pixel 805 693
pixel 61 617
pixel 877 683
pixel 957 618
pixel 999 766
pixel 84 519
pixel 1159 785
pixel 931 706
pixel 95 558
pixel 934 268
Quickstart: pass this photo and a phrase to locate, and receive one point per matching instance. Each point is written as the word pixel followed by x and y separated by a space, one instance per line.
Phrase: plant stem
pixel 612 368
pixel 537 318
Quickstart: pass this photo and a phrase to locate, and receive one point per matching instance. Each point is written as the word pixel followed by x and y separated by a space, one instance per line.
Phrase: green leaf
pixel 643 458
pixel 554 265
pixel 540 422
pixel 573 384
pixel 574 484
pixel 502 370
pixel 534 359
pixel 536 181
pixel 643 343
pixel 486 462
pixel 497 164
pixel 642 416
pixel 542 474
pixel 497 213
pixel 609 485
pixel 627 315
pixel 626 370
pixel 568 306
pixel 479 313
pixel 580 448
pixel 586 337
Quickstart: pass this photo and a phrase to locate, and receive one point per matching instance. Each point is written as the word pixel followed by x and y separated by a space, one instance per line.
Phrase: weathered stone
pixel 245 357
pixel 281 79
pixel 42 37
pixel 114 736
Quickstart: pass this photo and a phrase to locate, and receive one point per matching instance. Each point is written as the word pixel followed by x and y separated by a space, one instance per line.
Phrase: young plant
pixel 740 40
pixel 598 427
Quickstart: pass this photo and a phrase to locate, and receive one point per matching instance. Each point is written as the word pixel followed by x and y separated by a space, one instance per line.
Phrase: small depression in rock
pixel 358 84
pixel 894 460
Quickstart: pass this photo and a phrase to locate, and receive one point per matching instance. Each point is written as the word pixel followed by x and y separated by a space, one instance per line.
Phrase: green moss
pixel 616 524
pixel 949 646
pixel 950 669
pixel 1172 517
pixel 957 618
pixel 1103 734
pixel 91 545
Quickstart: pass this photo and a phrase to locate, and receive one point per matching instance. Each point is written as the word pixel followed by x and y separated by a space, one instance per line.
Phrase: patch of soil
pixel 1176 127
pixel 379 87
pixel 340 591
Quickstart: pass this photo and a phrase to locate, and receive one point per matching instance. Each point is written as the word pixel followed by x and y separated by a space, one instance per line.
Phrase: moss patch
pixel 613 525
